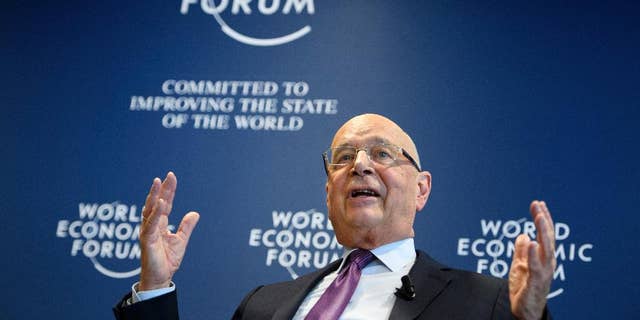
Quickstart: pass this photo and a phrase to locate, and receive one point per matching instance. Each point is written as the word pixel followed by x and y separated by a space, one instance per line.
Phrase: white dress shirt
pixel 374 296
pixel 137 296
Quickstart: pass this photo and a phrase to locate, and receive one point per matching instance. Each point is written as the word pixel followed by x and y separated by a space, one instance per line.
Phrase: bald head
pixel 389 131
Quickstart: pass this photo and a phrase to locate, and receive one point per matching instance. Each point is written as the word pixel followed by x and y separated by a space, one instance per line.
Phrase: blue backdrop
pixel 506 102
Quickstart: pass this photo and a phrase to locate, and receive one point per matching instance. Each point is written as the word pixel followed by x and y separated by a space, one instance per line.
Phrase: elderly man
pixel 374 188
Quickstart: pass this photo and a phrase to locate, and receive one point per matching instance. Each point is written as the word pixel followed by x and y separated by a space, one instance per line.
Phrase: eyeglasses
pixel 382 153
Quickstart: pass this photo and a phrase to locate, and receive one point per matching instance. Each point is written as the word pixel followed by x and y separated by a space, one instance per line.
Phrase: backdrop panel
pixel 506 102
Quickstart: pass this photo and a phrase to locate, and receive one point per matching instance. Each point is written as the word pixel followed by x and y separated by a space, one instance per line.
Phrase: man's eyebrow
pixel 373 140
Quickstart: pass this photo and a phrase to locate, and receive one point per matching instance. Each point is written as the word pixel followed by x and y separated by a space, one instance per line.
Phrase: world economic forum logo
pixel 107 234
pixel 259 7
pixel 496 246
pixel 298 241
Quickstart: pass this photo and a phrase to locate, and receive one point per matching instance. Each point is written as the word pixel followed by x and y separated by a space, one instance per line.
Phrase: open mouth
pixel 364 193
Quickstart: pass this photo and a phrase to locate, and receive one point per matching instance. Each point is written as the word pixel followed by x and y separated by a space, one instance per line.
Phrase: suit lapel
pixel 430 279
pixel 428 276
pixel 302 286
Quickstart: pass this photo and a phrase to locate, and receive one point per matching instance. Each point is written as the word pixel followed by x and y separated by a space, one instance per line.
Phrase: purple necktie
pixel 335 299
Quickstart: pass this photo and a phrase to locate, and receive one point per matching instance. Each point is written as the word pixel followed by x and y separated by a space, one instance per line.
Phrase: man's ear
pixel 326 189
pixel 424 189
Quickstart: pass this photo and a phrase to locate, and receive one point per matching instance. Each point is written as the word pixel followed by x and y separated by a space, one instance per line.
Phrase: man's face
pixel 372 204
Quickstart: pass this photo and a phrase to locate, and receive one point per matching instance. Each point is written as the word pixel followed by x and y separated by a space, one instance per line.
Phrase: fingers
pixel 152 197
pixel 521 250
pixel 153 221
pixel 533 266
pixel 539 208
pixel 534 209
pixel 545 239
pixel 160 190
pixel 168 190
pixel 158 203
pixel 545 231
pixel 546 213
pixel 534 257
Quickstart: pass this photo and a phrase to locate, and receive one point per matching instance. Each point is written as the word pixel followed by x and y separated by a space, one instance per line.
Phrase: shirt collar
pixel 394 256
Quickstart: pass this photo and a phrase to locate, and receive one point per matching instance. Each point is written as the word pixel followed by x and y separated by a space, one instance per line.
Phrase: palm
pixel 162 250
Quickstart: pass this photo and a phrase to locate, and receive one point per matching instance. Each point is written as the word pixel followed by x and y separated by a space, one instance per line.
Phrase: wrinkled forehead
pixel 369 129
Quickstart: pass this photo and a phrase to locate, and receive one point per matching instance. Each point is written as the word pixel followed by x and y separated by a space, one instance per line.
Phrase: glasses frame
pixel 325 157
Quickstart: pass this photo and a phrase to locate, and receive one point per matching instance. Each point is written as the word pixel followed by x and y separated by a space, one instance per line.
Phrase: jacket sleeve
pixel 164 307
pixel 502 308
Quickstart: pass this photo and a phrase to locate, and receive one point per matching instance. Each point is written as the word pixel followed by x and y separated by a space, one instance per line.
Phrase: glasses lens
pixel 383 154
pixel 342 155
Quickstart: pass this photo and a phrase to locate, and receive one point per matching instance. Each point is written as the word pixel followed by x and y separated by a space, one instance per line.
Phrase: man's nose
pixel 362 165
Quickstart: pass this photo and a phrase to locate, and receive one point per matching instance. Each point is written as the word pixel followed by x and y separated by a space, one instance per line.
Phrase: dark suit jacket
pixel 441 293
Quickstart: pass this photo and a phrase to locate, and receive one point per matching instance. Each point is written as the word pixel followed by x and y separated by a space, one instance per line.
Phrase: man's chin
pixel 365 216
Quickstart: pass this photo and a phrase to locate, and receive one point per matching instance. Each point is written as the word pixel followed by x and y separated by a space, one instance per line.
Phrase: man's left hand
pixel 533 265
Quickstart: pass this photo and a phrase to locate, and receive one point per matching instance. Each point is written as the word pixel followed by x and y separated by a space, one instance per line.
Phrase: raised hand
pixel 162 250
pixel 532 267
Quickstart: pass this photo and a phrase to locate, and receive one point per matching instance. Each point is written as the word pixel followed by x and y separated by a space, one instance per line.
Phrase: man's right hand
pixel 162 250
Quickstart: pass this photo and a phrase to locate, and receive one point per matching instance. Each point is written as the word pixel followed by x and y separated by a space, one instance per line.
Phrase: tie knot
pixel 361 258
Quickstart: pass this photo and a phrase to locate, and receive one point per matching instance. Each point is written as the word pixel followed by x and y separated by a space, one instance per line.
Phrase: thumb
pixel 187 225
